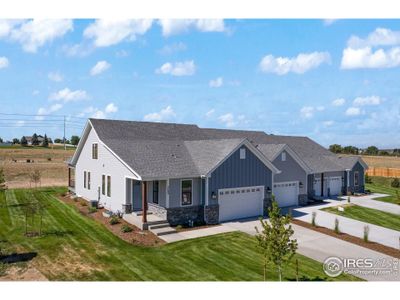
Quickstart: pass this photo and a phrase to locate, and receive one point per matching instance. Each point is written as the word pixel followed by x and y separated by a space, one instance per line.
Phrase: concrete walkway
pixel 368 201
pixel 195 233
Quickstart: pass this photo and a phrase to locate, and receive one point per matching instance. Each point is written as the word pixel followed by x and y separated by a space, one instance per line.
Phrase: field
pixel 50 162
pixel 75 247
pixel 382 161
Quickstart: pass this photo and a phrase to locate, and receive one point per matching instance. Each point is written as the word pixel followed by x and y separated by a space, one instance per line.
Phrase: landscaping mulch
pixel 136 236
pixel 351 239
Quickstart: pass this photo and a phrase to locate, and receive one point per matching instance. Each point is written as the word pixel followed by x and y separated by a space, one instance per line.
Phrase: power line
pixel 48 115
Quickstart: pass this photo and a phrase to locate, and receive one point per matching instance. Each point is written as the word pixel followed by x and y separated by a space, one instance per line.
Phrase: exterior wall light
pixel 213 195
pixel 301 185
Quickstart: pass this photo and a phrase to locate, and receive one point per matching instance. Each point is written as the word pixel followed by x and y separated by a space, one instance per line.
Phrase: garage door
pixel 240 203
pixel 286 193
pixel 335 186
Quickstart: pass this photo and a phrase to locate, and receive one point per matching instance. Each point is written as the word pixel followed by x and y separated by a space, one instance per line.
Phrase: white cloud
pixel 307 112
pixel 4 63
pixel 100 67
pixel 173 48
pixel 210 113
pixel 216 83
pixel 121 53
pixel 67 95
pixel 111 108
pixel 299 64
pixel 338 102
pixel 353 111
pixel 7 25
pixel 175 26
pixel 328 123
pixel 379 37
pixel 228 120
pixel 164 115
pixel 110 32
pixel 370 100
pixel 329 22
pixel 34 34
pixel 43 111
pixel 78 50
pixel 186 68
pixel 55 76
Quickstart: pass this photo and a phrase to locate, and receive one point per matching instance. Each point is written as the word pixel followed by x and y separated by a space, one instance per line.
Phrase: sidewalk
pixel 368 201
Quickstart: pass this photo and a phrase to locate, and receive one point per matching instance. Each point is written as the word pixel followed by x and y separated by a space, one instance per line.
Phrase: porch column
pixel 144 202
pixel 348 180
pixel 322 184
pixel 167 194
pixel 206 191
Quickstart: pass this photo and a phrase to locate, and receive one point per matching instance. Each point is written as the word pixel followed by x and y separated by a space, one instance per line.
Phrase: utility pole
pixel 65 146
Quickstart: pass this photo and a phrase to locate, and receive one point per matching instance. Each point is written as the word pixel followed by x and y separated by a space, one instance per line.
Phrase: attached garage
pixel 335 185
pixel 239 203
pixel 286 193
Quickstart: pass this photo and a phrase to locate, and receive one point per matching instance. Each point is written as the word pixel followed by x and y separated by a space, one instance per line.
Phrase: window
pixel 103 184
pixel 243 153
pixel 88 180
pixel 356 178
pixel 155 192
pixel 95 151
pixel 84 179
pixel 186 191
pixel 283 156
pixel 108 186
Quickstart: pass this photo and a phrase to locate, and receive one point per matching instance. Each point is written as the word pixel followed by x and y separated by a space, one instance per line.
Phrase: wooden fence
pixel 384 172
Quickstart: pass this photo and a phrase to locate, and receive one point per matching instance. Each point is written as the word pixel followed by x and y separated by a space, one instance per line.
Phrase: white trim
pixel 206 188
pixel 294 155
pixel 191 193
pixel 348 179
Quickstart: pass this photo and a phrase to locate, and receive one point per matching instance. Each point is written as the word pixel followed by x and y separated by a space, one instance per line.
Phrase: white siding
pixel 108 164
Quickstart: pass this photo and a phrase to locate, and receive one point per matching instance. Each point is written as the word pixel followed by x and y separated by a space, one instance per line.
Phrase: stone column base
pixel 303 200
pixel 211 214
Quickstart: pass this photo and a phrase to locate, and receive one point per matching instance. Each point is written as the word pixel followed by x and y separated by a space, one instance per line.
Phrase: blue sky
pixel 336 81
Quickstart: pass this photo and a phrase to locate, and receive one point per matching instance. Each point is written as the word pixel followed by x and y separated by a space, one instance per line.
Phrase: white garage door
pixel 335 185
pixel 286 193
pixel 240 203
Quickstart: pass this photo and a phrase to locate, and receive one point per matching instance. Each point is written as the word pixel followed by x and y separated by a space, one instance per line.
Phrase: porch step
pixel 160 225
pixel 162 231
pixel 140 213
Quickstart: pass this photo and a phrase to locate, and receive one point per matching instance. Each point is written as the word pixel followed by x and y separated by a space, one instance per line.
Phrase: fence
pixel 384 172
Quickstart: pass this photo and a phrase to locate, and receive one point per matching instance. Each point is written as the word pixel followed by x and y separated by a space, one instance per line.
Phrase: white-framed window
pixel 283 156
pixel 103 184
pixel 243 153
pixel 186 192
pixel 356 178
pixel 155 191
pixel 84 179
pixel 108 186
pixel 95 151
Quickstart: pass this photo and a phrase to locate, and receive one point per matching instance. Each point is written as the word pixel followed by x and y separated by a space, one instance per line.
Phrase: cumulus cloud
pixel 299 64
pixel 111 108
pixel 176 26
pixel 353 111
pixel 186 68
pixel 164 114
pixel 97 113
pixel 216 83
pixel 4 62
pixel 43 111
pixel 67 95
pixel 360 52
pixel 33 34
pixel 338 102
pixel 307 112
pixel 100 67
pixel 55 76
pixel 230 120
pixel 105 33
pixel 370 100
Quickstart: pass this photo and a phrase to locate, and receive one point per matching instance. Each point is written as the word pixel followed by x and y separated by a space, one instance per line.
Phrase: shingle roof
pixel 270 150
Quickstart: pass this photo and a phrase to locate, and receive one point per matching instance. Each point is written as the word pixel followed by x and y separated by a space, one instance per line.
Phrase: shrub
pixel 179 227
pixel 337 231
pixel 83 202
pixel 125 228
pixel 313 216
pixel 395 183
pixel 92 210
pixel 366 233
pixel 114 220
pixel 368 179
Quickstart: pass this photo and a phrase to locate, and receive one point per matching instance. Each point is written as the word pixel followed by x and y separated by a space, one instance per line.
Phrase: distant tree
pixel 75 140
pixel 384 153
pixel 58 141
pixel 35 177
pixel 350 150
pixel 15 141
pixel 35 140
pixel 1 140
pixel 335 148
pixel 396 152
pixel 45 141
pixel 2 180
pixel 24 142
pixel 372 150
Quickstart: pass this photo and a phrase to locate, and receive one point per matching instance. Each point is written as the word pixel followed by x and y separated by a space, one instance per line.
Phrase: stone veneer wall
pixel 157 210
pixel 211 214
pixel 303 199
pixel 182 215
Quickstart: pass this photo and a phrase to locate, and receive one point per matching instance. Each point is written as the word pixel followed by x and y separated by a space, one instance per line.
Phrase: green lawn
pixel 75 247
pixel 382 185
pixel 368 215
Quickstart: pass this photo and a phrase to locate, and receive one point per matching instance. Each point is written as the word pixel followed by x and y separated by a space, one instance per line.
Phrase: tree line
pixel 44 141
pixel 371 150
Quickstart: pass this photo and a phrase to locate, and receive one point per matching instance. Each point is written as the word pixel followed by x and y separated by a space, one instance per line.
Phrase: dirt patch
pixel 25 273
pixel 135 237
pixel 351 239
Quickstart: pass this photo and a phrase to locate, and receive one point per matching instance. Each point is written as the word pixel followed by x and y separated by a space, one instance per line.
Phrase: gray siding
pixel 236 172
pixel 291 171
pixel 175 192
pixel 357 167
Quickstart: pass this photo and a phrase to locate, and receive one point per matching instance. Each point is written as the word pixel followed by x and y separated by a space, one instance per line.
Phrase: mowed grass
pixel 75 247
pixel 382 185
pixel 368 215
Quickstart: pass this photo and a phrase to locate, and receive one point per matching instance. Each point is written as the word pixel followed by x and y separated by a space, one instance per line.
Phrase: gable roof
pixel 348 162
pixel 271 150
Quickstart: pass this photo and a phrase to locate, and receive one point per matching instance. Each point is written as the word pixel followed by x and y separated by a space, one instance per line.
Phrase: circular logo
pixel 333 266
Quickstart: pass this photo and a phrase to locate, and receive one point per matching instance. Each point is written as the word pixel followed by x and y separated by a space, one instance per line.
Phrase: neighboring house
pixel 40 140
pixel 184 173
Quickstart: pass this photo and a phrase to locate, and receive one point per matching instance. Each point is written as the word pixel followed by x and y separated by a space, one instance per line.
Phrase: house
pixel 39 138
pixel 183 173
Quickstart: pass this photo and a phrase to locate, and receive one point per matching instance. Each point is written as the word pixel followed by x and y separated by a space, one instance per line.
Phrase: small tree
pixel 366 233
pixel 35 140
pixel 335 148
pixel 75 140
pixel 45 142
pixel 3 186
pixel 24 142
pixel 35 177
pixel 275 239
pixel 337 231
pixel 395 183
pixel 313 217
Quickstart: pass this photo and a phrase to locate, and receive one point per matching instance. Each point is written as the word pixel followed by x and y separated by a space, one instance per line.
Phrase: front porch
pixel 71 179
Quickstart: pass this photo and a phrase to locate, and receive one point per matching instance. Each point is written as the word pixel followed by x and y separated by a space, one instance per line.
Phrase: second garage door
pixel 286 193
pixel 237 203
pixel 335 186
